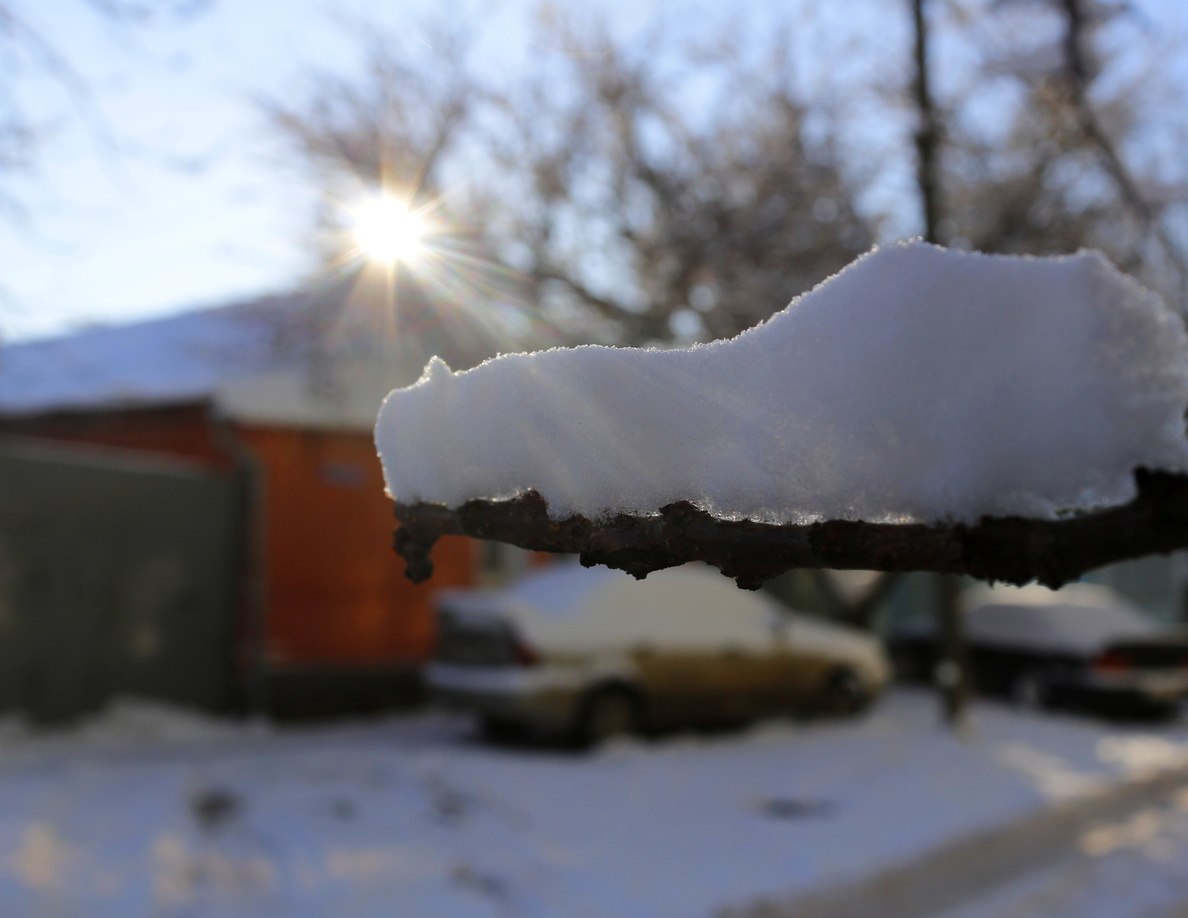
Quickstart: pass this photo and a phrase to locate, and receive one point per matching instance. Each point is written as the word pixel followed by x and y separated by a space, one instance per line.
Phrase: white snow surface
pixel 228 356
pixel 916 384
pixel 1133 866
pixel 177 358
pixel 251 361
pixel 570 608
pixel 413 817
pixel 1080 616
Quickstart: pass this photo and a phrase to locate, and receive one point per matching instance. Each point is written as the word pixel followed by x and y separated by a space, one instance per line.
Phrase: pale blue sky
pixel 190 202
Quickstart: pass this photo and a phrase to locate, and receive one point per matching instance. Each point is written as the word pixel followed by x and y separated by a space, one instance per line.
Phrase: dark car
pixel 1083 646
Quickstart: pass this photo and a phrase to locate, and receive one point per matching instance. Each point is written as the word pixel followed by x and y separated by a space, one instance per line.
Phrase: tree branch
pixel 1009 549
pixel 1079 74
pixel 862 612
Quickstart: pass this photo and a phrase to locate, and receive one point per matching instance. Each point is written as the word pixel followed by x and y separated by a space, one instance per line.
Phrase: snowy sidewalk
pixel 144 814
pixel 996 862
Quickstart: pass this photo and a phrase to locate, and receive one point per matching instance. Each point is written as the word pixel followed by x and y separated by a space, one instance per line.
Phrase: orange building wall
pixel 182 431
pixel 336 592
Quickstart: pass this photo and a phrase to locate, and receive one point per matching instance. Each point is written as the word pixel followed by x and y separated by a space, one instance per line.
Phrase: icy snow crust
pixel 916 384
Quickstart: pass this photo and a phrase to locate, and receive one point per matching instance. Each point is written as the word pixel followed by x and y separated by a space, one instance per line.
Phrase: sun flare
pixel 385 229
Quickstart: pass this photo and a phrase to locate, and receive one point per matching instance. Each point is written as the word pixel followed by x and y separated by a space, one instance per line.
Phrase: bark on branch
pixel 1010 549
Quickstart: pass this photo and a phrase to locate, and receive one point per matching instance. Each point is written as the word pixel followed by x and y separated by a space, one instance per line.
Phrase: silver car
pixel 591 653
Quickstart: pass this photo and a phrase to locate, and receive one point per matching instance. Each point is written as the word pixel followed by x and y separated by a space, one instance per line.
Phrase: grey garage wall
pixel 118 576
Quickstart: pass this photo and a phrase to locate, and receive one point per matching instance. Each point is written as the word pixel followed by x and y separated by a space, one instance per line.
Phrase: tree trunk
pixel 927 130
pixel 952 669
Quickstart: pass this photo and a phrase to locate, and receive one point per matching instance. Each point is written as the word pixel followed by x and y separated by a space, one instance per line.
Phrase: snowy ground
pixel 149 812
pixel 1133 866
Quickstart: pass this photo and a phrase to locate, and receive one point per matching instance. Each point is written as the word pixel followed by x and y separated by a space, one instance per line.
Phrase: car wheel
pixel 1029 690
pixel 606 714
pixel 844 693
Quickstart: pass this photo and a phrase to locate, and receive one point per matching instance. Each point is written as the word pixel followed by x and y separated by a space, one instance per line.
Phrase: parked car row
pixel 1084 646
pixel 592 653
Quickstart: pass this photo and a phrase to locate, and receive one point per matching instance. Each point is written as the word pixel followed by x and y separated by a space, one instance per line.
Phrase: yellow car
pixel 593 653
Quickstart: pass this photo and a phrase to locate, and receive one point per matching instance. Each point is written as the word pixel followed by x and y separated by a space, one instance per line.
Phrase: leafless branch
pixel 61 69
pixel 1009 549
pixel 863 610
pixel 1079 74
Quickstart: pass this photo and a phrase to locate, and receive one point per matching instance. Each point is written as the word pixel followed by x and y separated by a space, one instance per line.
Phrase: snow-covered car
pixel 1083 646
pixel 591 653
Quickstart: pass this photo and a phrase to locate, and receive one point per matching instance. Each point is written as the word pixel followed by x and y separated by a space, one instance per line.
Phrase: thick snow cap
pixel 916 384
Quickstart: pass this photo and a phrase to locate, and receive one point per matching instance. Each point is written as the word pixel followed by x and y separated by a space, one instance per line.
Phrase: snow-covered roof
pixel 252 361
pixel 288 398
pixel 916 384
pixel 177 358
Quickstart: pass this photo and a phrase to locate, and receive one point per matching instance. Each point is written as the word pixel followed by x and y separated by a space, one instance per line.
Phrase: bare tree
pixel 395 132
pixel 1064 164
pixel 26 48
pixel 620 206
pixel 393 129
pixel 1078 74
pixel 709 207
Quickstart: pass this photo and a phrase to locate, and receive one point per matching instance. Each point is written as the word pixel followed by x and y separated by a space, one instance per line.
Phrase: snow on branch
pixel 921 410
pixel 1010 549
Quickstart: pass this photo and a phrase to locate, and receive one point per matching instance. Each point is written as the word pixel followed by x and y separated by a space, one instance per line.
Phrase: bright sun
pixel 387 230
